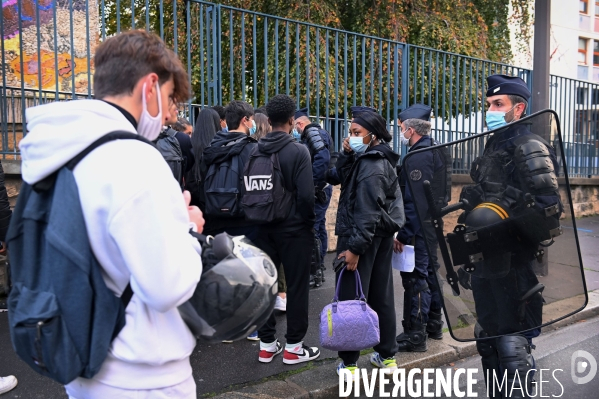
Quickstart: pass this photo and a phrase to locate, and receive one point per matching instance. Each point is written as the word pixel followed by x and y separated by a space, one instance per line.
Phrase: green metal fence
pixel 47 48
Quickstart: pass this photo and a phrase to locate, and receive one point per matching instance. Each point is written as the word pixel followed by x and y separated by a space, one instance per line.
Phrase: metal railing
pixel 232 53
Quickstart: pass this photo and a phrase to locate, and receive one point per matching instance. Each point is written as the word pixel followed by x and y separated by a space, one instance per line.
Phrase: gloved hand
pixel 464 278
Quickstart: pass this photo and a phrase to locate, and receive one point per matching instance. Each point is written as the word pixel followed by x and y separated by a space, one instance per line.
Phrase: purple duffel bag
pixel 349 325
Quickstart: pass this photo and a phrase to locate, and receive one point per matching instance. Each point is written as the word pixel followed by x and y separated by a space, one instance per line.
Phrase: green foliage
pixel 259 56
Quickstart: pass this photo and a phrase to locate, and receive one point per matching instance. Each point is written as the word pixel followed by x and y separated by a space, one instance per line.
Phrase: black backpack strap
pixel 126 296
pixel 117 135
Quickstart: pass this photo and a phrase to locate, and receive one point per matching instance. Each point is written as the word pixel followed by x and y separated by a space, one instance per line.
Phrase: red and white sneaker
pixel 298 353
pixel 269 351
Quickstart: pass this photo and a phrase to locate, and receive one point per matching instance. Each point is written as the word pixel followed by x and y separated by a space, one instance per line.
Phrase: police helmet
pixel 496 249
pixel 236 295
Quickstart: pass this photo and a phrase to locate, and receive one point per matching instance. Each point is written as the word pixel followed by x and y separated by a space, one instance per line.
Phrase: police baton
pixel 437 220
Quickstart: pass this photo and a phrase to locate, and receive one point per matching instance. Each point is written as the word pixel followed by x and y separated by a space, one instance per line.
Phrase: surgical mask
pixel 150 126
pixel 225 129
pixel 402 137
pixel 496 119
pixel 357 144
pixel 253 128
pixel 296 134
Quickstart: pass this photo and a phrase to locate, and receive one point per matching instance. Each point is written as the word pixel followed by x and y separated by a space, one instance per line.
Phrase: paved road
pixel 553 355
pixel 219 367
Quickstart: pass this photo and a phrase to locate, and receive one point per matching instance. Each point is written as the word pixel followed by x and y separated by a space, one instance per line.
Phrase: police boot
pixel 413 339
pixel 517 362
pixel 434 327
pixel 316 279
pixel 491 369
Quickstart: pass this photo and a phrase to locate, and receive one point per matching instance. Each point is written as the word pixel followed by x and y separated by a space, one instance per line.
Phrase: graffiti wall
pixel 46 42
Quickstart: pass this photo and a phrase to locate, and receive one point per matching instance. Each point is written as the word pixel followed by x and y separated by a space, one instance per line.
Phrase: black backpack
pixel 169 147
pixel 265 198
pixel 62 316
pixel 223 188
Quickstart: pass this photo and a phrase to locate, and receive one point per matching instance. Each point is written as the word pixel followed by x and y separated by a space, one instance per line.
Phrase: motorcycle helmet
pixel 236 293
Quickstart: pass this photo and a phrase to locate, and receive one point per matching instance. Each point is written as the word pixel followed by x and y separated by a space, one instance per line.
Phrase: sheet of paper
pixel 404 261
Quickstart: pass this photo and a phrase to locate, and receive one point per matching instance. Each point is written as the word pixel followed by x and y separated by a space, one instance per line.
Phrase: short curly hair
pixel 280 109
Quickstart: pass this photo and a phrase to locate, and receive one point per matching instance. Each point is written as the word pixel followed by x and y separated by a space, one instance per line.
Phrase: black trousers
pixel 294 250
pixel 377 282
pixel 497 301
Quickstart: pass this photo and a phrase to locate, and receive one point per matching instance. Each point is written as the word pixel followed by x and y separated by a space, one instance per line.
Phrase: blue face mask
pixel 296 134
pixel 253 128
pixel 496 119
pixel 357 144
pixel 225 129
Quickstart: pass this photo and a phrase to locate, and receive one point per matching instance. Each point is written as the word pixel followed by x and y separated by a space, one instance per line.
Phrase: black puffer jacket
pixel 370 203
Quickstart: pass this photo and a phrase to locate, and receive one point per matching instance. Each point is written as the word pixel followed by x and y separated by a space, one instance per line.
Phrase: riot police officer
pixel 422 314
pixel 515 178
pixel 319 143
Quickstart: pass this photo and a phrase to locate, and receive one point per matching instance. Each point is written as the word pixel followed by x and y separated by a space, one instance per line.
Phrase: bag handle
pixel 359 290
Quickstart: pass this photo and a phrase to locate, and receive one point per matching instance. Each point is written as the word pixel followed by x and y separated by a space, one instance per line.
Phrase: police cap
pixel 301 112
pixel 358 109
pixel 509 85
pixel 416 111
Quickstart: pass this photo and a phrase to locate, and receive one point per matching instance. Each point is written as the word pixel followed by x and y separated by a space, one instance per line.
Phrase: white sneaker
pixel 281 304
pixel 299 353
pixel 7 383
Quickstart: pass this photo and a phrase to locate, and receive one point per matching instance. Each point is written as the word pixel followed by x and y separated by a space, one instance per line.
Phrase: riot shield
pixel 507 239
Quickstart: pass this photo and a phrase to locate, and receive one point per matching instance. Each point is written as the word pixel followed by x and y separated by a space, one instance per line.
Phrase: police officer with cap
pixel 422 314
pixel 319 143
pixel 506 291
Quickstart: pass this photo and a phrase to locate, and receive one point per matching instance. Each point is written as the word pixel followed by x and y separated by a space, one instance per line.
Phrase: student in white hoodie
pixel 137 219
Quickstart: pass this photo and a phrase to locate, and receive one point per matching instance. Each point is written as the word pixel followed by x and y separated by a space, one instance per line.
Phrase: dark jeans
pixel 293 250
pixel 320 227
pixel 377 282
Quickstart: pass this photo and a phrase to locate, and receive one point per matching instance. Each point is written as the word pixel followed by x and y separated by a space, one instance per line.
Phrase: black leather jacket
pixel 370 203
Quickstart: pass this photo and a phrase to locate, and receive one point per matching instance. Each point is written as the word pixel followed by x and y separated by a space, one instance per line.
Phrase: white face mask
pixel 402 137
pixel 150 126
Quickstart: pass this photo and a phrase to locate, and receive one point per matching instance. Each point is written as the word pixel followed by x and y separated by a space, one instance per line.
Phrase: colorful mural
pixel 29 25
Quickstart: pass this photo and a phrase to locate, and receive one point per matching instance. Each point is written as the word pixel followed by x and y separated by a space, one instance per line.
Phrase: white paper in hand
pixel 404 261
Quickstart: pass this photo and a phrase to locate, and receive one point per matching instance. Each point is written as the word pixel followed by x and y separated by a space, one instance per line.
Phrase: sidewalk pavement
pixel 318 379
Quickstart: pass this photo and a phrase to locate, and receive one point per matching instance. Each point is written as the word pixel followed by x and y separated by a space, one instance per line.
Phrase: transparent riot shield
pixel 506 238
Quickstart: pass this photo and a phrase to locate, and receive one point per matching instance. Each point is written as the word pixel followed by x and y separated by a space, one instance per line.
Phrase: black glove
pixel 464 278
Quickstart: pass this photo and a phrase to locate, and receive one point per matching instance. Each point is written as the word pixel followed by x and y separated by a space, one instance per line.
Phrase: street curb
pixel 321 381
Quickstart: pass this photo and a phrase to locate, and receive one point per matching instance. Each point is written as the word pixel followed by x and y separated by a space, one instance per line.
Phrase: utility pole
pixel 540 86
pixel 542 34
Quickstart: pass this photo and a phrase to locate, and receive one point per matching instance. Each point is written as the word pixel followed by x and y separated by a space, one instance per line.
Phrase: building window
pixel 583 6
pixel 582 50
pixel 596 8
pixel 596 53
pixel 595 97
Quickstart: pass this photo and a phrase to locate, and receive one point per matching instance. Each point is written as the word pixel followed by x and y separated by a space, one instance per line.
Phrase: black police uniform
pixel 422 296
pixel 502 176
pixel 318 142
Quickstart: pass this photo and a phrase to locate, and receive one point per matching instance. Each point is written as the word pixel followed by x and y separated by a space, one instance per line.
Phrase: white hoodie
pixel 138 227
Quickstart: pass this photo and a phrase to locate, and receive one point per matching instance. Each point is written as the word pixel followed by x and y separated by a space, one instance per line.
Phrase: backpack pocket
pixel 258 207
pixel 40 336
pixel 222 202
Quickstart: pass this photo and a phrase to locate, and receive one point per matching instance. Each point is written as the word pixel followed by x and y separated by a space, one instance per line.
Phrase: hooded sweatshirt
pixel 296 167
pixel 224 146
pixel 138 226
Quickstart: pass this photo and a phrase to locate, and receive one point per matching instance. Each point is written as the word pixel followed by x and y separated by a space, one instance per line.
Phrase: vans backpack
pixel 265 198
pixel 62 316
pixel 223 188
pixel 169 147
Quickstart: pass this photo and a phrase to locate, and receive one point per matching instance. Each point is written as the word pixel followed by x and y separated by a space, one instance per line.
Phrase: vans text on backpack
pixel 62 316
pixel 265 198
